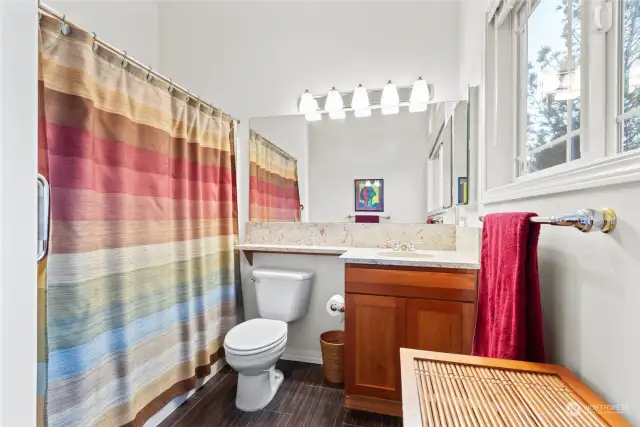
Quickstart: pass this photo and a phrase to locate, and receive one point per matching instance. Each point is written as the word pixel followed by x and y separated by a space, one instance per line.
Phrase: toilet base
pixel 256 391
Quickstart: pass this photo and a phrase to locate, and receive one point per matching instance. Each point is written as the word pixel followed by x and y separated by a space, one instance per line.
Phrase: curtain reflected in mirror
pixel 420 156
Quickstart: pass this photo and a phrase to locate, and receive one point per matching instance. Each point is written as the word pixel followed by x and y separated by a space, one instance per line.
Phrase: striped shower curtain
pixel 273 183
pixel 141 274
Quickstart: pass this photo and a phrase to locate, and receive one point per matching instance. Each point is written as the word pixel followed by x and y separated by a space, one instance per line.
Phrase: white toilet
pixel 253 347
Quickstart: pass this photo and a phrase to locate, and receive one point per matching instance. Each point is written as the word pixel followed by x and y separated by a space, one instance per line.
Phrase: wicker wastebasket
pixel 332 345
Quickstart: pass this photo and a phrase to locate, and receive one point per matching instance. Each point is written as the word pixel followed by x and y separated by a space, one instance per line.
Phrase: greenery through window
pixel 630 29
pixel 552 34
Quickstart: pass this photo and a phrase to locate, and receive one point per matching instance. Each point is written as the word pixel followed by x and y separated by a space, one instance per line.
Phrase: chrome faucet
pixel 402 246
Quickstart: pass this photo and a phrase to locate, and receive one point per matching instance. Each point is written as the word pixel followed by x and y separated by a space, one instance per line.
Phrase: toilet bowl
pixel 253 347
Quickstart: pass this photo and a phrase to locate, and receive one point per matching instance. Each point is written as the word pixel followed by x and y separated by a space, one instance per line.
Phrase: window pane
pixel 631 133
pixel 631 72
pixel 553 101
pixel 552 156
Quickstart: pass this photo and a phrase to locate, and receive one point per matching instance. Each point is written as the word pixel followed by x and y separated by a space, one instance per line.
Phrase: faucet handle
pixel 393 244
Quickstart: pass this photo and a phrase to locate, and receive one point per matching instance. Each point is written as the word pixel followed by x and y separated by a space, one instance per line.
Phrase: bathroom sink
pixel 403 254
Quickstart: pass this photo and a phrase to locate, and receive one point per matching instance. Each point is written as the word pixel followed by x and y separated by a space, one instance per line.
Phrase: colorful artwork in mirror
pixel 369 195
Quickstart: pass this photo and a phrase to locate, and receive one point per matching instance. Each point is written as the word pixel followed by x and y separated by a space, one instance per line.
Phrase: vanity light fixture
pixel 420 92
pixel 563 83
pixel 417 108
pixel 390 100
pixel 340 114
pixel 420 95
pixel 360 102
pixel 307 103
pixel 549 81
pixel 392 109
pixel 360 99
pixel 334 101
pixel 362 113
pixel 313 116
pixel 569 86
pixel 634 74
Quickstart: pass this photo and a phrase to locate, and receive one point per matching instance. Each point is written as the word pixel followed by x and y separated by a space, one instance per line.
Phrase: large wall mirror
pixel 382 168
pixel 450 175
pixel 354 167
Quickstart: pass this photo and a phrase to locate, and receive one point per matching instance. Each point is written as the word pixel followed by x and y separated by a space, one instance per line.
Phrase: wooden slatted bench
pixel 444 389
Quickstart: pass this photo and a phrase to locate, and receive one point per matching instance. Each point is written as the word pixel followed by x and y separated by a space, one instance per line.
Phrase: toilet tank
pixel 282 294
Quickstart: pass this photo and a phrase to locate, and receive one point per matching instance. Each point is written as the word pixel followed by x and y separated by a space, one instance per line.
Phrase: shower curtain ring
pixel 94 46
pixel 124 61
pixel 39 16
pixel 149 75
pixel 64 28
pixel 170 88
pixel 188 96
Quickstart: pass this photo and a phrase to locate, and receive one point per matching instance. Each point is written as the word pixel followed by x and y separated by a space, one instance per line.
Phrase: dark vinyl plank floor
pixel 305 399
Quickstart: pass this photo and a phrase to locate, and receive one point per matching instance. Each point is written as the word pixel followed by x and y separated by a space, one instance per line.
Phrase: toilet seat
pixel 255 336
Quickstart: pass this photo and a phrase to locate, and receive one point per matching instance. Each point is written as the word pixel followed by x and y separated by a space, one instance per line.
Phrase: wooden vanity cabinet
pixel 443 326
pixel 388 307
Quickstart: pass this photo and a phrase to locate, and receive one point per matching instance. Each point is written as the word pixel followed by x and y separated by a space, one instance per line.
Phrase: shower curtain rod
pixel 275 147
pixel 62 18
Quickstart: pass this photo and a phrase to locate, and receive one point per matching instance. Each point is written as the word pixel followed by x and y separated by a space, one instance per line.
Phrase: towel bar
pixel 383 217
pixel 585 220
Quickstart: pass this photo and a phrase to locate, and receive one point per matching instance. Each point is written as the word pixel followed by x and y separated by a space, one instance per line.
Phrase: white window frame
pixel 615 110
pixel 522 79
pixel 601 163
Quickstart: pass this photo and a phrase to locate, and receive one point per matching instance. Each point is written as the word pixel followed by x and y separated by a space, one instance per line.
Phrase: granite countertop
pixel 307 249
pixel 438 259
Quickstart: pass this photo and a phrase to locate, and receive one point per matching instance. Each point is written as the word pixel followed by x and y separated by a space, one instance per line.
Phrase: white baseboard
pixel 302 356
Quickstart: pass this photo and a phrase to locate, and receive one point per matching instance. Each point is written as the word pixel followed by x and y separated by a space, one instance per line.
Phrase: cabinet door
pixel 374 334
pixel 444 326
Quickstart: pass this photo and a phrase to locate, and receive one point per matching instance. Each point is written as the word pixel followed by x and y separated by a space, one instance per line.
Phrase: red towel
pixel 509 316
pixel 371 219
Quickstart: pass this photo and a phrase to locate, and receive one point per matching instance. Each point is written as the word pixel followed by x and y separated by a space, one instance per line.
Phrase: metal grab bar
pixel 44 195
pixel 585 220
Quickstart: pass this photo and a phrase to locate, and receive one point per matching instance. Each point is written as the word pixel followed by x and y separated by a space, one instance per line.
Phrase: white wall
pixel 291 134
pixel 391 147
pixel 255 58
pixel 128 25
pixel 589 287
pixel 303 338
pixel 472 26
pixel 18 169
pixel 589 282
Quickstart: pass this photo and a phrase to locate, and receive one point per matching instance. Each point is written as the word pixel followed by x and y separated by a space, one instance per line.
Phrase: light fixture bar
pixel 361 101
pixel 404 92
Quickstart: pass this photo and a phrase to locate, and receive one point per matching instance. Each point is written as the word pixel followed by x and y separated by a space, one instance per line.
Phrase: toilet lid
pixel 255 335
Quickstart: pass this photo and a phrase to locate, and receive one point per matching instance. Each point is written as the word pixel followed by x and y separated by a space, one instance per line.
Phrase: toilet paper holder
pixel 337 307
